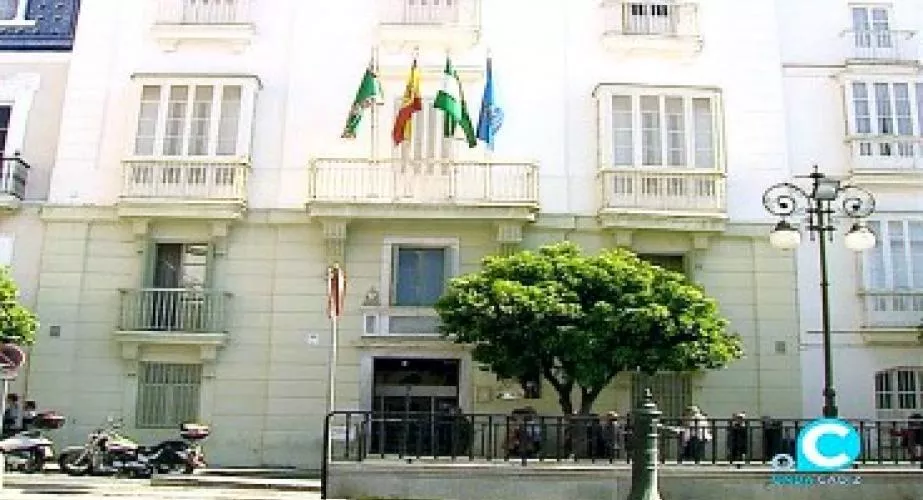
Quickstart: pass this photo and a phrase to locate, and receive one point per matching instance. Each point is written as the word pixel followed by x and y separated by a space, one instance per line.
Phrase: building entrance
pixel 411 396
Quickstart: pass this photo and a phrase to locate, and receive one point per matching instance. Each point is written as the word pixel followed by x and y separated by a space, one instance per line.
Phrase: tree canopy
pixel 580 320
pixel 17 324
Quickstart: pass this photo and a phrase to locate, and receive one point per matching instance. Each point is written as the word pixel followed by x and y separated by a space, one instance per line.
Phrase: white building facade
pixel 201 188
pixel 854 92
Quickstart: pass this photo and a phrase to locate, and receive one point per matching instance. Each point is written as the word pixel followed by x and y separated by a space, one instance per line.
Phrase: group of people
pixel 17 418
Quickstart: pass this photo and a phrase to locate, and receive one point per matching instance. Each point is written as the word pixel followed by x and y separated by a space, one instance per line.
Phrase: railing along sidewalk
pixel 360 435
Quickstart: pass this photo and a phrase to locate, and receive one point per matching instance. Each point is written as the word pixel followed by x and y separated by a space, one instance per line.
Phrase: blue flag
pixel 491 116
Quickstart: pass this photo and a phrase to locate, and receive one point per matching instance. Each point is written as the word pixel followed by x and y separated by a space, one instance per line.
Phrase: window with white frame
pixel 194 119
pixel 871 26
pixel 899 392
pixel 650 17
pixel 896 263
pixel 427 139
pixel 659 127
pixel 419 274
pixel 894 272
pixel 887 117
pixel 14 11
pixel 168 394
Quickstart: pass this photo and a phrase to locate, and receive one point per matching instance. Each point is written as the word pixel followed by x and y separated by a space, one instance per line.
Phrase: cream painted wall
pixel 266 397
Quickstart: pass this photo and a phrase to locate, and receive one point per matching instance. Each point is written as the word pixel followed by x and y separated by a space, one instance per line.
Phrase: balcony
pixel 424 189
pixel 203 21
pixel 651 28
pixel 881 47
pixel 172 316
pixel 192 188
pixel 886 159
pixel 452 24
pixel 891 316
pixel 659 198
pixel 14 172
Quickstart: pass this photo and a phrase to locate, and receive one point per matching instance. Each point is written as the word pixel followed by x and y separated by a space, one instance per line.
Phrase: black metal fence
pixel 359 436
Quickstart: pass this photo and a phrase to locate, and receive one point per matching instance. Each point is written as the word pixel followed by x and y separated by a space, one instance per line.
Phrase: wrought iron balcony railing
pixel 14 172
pixel 174 310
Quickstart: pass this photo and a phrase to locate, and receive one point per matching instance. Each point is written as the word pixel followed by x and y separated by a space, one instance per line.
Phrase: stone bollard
pixel 644 459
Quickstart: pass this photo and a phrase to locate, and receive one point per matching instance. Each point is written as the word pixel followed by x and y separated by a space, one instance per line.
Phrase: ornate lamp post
pixel 827 199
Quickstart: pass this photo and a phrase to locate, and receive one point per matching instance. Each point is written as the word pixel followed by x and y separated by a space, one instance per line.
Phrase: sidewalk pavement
pixel 267 479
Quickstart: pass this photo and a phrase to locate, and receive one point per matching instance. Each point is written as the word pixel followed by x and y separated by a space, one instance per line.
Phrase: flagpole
pixel 374 111
pixel 334 301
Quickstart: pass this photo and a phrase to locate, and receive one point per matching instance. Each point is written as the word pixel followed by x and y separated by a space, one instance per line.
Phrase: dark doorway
pixel 410 396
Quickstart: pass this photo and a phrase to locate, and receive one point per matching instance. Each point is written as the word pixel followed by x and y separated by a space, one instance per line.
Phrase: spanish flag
pixel 410 104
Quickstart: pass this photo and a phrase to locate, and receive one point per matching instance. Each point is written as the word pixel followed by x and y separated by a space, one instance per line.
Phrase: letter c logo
pixel 827 445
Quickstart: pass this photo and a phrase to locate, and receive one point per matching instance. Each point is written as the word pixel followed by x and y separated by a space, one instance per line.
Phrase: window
pixel 5 112
pixel 420 275
pixel 650 18
pixel 896 263
pixel 887 109
pixel 191 120
pixel 898 392
pixel 168 394
pixel 14 11
pixel 671 391
pixel 427 140
pixel 674 263
pixel 871 27
pixel 662 128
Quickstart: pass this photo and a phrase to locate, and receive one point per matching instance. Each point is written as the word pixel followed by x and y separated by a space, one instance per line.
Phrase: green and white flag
pixel 451 100
pixel 368 94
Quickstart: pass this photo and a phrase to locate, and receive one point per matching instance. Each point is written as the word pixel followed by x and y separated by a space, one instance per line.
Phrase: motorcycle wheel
pixel 36 462
pixel 72 463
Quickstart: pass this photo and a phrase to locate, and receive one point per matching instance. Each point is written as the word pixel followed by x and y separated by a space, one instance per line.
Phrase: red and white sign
pixel 336 291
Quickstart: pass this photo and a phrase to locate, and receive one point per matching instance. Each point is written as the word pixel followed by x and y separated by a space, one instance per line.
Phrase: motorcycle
pixel 29 450
pixel 108 452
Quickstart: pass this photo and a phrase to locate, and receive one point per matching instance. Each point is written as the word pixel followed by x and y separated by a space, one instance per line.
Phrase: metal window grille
pixel 168 394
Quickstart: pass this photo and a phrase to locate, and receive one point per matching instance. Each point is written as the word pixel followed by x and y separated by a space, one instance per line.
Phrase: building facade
pixel 854 92
pixel 201 188
pixel 36 38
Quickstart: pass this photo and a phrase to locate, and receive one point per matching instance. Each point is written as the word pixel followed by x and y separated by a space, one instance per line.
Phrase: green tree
pixel 581 320
pixel 17 324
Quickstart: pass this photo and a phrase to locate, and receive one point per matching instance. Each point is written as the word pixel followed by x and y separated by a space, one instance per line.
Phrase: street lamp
pixel 818 207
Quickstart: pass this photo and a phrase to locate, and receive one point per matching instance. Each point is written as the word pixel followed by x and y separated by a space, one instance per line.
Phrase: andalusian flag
pixel 410 104
pixel 451 100
pixel 367 95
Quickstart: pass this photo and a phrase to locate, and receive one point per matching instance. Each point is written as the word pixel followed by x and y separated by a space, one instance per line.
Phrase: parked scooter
pixel 108 452
pixel 29 449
